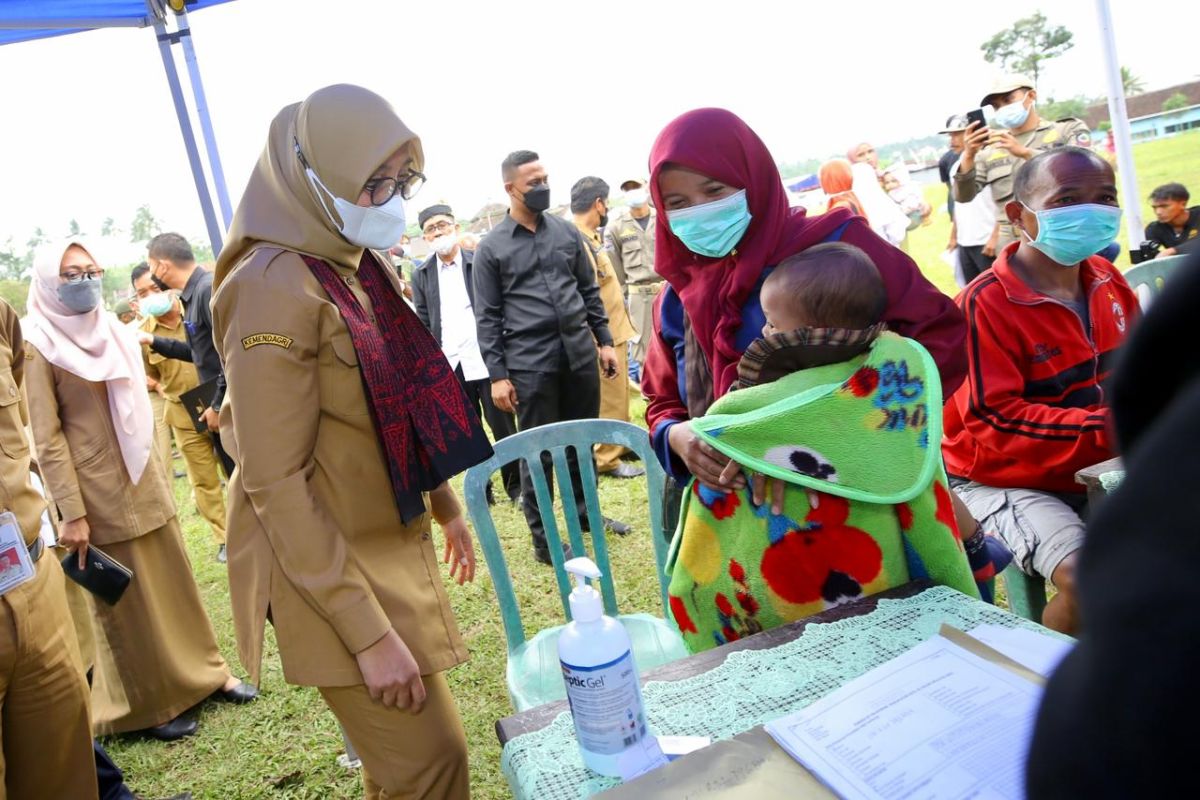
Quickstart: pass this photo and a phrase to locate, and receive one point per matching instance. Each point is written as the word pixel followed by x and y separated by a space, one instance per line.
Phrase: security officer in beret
pixel 991 157
pixel 629 243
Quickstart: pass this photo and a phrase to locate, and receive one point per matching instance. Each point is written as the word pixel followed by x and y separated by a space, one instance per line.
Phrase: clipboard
pixel 197 400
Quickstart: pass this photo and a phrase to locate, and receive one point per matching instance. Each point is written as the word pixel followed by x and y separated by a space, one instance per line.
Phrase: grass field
pixel 285 745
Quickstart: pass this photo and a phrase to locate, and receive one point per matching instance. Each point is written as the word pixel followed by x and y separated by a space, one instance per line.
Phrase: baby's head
pixel 890 182
pixel 831 285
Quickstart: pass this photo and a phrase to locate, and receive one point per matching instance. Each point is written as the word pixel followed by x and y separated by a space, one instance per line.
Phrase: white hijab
pixel 885 216
pixel 96 347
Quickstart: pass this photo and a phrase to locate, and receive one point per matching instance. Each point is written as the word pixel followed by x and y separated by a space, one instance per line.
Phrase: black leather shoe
pixel 240 695
pixel 173 730
pixel 542 554
pixel 616 526
pixel 625 471
pixel 490 495
pixel 222 557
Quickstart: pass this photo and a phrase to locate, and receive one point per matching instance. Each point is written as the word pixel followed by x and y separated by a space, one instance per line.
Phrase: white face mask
pixel 376 227
pixel 444 245
pixel 637 198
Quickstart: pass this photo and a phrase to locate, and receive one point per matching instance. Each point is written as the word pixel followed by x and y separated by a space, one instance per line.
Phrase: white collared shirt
pixel 460 342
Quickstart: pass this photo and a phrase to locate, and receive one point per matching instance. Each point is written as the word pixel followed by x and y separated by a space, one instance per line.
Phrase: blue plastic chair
pixel 533 673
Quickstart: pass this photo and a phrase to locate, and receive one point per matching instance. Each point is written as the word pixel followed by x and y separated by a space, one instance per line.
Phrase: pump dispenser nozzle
pixel 586 605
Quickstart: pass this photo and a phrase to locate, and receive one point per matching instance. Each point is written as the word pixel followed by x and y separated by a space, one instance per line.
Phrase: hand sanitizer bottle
pixel 602 680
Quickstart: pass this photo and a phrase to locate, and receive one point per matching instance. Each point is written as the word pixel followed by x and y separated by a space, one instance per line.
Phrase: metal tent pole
pixel 206 127
pixel 1119 117
pixel 185 127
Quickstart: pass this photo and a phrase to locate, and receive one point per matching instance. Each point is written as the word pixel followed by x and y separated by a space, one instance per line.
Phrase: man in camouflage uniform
pixel 629 243
pixel 991 157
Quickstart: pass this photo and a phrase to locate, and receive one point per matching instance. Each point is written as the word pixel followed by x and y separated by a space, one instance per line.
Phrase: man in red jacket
pixel 1043 327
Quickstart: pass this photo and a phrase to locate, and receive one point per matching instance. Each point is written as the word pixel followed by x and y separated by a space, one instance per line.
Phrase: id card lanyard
pixel 15 565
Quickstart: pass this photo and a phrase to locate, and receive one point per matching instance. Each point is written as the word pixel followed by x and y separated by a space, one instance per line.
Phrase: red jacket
pixel 1032 410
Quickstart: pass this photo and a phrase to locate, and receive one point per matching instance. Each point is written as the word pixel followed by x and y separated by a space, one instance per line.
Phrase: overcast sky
pixel 88 130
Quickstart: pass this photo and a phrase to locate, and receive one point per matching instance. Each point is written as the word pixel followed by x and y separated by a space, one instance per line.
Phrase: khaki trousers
pixel 162 434
pixel 614 404
pixel 44 728
pixel 405 755
pixel 203 471
pixel 641 313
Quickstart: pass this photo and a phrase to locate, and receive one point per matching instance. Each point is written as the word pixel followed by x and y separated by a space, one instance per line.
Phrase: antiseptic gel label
pixel 606 704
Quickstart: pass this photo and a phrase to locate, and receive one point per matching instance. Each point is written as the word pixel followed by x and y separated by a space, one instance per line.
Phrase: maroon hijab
pixel 719 144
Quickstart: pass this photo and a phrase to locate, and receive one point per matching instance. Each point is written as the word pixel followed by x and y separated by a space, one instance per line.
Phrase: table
pixel 1093 478
pixel 731 689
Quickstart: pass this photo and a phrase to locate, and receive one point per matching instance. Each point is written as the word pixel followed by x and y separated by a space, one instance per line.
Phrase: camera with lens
pixel 1146 251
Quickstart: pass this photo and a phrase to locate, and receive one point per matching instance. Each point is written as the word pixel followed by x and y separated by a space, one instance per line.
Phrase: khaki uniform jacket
pixel 315 538
pixel 619 324
pixel 16 492
pixel 80 457
pixel 630 248
pixel 996 167
pixel 175 376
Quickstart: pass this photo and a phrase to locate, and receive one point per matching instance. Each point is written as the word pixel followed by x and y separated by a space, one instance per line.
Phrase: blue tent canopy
pixel 25 20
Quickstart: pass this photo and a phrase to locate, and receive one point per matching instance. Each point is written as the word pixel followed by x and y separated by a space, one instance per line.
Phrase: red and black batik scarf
pixel 428 429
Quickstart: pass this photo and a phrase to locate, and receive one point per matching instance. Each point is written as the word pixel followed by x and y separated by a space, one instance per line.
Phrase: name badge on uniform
pixel 15 565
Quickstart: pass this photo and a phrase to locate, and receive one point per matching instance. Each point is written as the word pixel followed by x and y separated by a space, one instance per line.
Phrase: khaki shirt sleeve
pixel 273 393
pixel 54 454
pixel 969 183
pixel 612 246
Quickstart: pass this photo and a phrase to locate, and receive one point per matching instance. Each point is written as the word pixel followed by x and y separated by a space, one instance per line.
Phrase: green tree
pixel 1176 101
pixel 1060 109
pixel 15 293
pixel 73 228
pixel 1131 84
pixel 108 227
pixel 38 239
pixel 1024 46
pixel 12 263
pixel 144 226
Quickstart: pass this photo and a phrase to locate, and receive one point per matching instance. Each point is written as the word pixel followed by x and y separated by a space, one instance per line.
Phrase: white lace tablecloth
pixel 751 687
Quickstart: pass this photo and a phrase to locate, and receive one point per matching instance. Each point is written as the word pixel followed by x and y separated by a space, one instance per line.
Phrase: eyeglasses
pixel 384 189
pixel 440 227
pixel 75 276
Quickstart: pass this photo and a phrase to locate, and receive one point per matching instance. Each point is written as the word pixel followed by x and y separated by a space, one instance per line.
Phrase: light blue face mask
pixel 1070 234
pixel 712 229
pixel 1012 115
pixel 157 303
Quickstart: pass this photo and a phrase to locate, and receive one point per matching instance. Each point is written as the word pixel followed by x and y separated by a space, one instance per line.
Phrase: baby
pixel 907 194
pixel 827 301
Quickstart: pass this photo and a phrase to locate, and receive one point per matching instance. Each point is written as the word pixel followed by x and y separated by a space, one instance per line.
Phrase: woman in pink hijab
pixel 156 655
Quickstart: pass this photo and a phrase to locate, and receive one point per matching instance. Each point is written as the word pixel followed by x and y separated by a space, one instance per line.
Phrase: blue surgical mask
pixel 1012 115
pixel 156 304
pixel 1070 234
pixel 712 229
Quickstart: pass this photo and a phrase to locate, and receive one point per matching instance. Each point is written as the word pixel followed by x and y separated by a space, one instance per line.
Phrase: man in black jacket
pixel 444 298
pixel 173 266
pixel 541 322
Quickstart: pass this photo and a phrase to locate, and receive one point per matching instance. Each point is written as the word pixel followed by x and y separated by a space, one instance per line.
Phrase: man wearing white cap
pixel 991 156
pixel 629 243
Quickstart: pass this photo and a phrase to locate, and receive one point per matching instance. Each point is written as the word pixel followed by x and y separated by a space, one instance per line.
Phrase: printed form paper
pixel 937 723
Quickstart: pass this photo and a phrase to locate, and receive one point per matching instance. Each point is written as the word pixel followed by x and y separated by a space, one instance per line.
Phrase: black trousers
pixel 226 462
pixel 546 397
pixel 502 424
pixel 974 262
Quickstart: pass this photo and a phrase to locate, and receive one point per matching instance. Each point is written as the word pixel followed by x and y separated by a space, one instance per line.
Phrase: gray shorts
pixel 1040 528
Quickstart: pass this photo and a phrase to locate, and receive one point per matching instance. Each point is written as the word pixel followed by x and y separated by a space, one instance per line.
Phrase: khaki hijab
pixel 345 133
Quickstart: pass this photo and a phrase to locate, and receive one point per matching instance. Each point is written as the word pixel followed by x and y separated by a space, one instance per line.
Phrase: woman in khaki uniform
pixel 155 655
pixel 345 422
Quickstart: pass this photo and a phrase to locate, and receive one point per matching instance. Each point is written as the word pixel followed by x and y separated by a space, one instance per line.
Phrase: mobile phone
pixel 976 115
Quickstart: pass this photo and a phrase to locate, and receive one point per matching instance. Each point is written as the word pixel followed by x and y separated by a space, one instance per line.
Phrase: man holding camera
pixel 992 156
pixel 1177 229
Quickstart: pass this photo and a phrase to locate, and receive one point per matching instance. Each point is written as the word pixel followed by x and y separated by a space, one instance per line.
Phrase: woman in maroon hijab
pixel 728 225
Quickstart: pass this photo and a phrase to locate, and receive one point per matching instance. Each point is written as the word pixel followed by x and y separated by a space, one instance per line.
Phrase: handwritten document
pixel 937 723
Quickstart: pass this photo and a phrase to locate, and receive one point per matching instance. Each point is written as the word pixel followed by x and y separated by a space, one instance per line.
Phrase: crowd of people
pixel 832 424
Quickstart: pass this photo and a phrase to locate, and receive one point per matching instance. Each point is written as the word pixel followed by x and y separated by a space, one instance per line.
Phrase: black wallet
pixel 103 575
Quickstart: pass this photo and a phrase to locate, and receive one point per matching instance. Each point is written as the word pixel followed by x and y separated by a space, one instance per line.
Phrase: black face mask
pixel 160 284
pixel 537 199
pixel 604 218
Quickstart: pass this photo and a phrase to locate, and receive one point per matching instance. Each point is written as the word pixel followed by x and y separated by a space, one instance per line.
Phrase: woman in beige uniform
pixel 346 422
pixel 155 654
